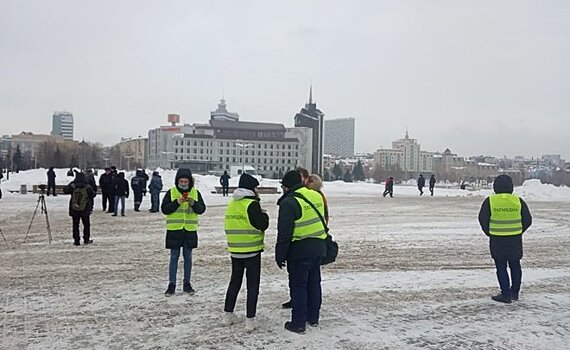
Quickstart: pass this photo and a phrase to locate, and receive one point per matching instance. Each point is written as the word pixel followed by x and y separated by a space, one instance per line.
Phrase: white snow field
pixel 413 273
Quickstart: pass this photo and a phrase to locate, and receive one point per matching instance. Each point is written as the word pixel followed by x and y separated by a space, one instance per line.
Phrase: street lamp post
pixel 242 145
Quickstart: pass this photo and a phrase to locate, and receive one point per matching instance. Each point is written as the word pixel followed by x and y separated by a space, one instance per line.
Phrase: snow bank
pixel 531 190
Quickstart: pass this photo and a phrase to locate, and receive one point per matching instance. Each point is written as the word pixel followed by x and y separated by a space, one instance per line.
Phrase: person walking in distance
pixel 80 207
pixel 504 217
pixel 113 179
pixel 389 187
pixel 301 246
pixel 182 205
pixel 51 181
pixel 154 188
pixel 421 184
pixel 245 224
pixel 121 191
pixel 431 183
pixel 225 183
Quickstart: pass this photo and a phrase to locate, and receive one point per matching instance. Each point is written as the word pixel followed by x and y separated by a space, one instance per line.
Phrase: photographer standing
pixel 80 206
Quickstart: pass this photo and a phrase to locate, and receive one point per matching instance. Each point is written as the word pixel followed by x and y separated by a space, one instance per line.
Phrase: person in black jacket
pixel 80 187
pixel 431 183
pixel 225 182
pixel 113 178
pixel 505 249
pixel 51 181
pixel 105 184
pixel 181 238
pixel 138 184
pixel 303 258
pixel 247 260
pixel 121 191
pixel 421 184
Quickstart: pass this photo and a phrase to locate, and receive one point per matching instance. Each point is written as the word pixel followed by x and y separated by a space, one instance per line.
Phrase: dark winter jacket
pixel 106 183
pixel 389 184
pixel 501 247
pixel 155 184
pixel 177 238
pixel 432 181
pixel 51 176
pixel 421 182
pixel 138 183
pixel 285 248
pixel 121 187
pixel 80 182
pixel 91 181
pixel 225 180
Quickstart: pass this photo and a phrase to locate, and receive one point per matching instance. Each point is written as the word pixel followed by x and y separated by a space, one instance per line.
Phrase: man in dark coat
pixel 113 177
pixel 421 184
pixel 80 207
pixel 155 187
pixel 105 184
pixel 225 182
pixel 51 181
pixel 181 196
pixel 90 177
pixel 389 187
pixel 121 191
pixel 303 256
pixel 505 236
pixel 431 183
pixel 138 185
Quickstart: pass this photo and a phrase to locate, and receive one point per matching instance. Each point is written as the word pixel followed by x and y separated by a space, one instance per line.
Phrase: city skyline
pixel 453 73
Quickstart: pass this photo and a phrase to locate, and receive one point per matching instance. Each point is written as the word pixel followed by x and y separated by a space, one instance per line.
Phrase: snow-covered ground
pixel 413 273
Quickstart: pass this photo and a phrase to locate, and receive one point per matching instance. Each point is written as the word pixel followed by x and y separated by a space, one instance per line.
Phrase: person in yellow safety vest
pixel 182 204
pixel 504 217
pixel 301 245
pixel 245 224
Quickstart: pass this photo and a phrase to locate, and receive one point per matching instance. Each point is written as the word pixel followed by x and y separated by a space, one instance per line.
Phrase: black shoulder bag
pixel 332 246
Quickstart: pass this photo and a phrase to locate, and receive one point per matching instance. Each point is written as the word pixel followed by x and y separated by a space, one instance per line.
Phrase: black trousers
pixel 51 187
pixel 111 198
pixel 106 199
pixel 225 190
pixel 252 268
pixel 305 290
pixel 86 228
pixel 388 191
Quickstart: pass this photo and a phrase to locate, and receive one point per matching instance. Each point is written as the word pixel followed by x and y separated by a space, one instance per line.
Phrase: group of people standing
pixel 421 182
pixel 300 247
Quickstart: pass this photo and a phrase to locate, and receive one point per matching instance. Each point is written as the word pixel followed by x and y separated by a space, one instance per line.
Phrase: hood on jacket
pixel 155 173
pixel 122 176
pixel 184 173
pixel 241 193
pixel 503 184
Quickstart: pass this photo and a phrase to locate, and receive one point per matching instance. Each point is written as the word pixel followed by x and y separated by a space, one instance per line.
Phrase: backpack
pixel 79 199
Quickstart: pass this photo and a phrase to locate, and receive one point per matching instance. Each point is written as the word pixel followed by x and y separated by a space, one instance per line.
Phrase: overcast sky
pixel 480 77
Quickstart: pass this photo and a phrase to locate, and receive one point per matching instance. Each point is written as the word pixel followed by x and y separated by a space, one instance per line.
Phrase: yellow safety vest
pixel 309 225
pixel 242 237
pixel 506 218
pixel 184 217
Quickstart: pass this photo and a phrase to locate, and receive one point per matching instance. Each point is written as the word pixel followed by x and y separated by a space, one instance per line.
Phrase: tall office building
pixel 339 137
pixel 62 125
pixel 311 117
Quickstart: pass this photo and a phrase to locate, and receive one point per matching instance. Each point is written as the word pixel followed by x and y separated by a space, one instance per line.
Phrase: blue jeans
pixel 305 290
pixel 173 266
pixel 508 286
pixel 122 199
pixel 154 200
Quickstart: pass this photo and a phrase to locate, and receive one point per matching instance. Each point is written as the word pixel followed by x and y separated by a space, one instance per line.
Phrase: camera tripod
pixel 42 205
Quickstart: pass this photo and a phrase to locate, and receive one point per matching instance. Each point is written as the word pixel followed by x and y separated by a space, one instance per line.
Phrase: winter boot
pixel 187 288
pixel 76 243
pixel 514 295
pixel 170 290
pixel 89 241
pixel 313 324
pixel 250 324
pixel 291 328
pixel 286 305
pixel 501 298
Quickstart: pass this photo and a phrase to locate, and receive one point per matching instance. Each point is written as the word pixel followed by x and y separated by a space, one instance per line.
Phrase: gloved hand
pixel 280 264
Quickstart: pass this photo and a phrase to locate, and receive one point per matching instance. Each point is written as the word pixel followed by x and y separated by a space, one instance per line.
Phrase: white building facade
pixel 62 125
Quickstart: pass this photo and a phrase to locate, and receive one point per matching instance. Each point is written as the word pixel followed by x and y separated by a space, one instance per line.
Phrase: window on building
pixel 195 143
